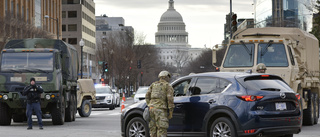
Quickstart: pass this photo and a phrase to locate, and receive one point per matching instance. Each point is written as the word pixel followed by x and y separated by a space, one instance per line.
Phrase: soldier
pixel 261 68
pixel 159 99
pixel 33 102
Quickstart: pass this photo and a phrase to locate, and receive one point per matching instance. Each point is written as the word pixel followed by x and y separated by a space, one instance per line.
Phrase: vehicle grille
pixel 100 97
pixel 142 98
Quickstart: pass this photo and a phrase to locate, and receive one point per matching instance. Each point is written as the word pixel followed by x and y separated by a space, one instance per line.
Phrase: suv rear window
pixel 265 82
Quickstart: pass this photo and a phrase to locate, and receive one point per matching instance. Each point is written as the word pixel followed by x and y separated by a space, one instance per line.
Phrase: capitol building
pixel 172 40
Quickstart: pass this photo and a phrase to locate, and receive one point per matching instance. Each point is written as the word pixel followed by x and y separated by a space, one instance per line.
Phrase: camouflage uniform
pixel 159 98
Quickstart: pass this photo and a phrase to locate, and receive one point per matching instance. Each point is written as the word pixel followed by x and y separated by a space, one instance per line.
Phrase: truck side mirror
pixel 214 56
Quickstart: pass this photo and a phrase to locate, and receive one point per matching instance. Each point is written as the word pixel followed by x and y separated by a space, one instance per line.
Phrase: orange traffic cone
pixel 122 103
pixel 123 97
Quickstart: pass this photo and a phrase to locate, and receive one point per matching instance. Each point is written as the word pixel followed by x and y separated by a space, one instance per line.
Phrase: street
pixel 101 123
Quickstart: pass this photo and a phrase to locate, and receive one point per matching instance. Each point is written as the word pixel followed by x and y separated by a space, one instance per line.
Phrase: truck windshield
pixel 33 62
pixel 272 56
pixel 238 56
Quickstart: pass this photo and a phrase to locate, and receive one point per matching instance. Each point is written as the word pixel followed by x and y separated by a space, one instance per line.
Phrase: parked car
pixel 105 97
pixel 140 94
pixel 226 104
pixel 117 97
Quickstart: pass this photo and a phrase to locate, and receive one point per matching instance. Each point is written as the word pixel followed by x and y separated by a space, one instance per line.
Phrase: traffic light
pixel 106 66
pixel 234 23
pixel 139 64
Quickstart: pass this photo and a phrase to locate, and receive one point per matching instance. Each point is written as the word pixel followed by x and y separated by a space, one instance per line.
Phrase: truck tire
pixel 19 117
pixel 74 98
pixel 5 114
pixel 308 114
pixel 70 110
pixel 85 108
pixel 316 108
pixel 58 114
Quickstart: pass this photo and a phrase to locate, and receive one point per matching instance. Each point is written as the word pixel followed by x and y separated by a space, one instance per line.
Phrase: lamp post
pixel 57 20
pixel 81 43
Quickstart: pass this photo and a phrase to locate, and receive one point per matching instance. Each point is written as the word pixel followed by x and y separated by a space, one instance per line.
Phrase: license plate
pixel 281 106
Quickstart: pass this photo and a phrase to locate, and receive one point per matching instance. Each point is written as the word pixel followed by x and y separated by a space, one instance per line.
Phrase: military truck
pixel 54 65
pixel 86 96
pixel 290 53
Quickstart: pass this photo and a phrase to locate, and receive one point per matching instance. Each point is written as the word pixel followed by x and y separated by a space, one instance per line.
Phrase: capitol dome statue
pixel 171 29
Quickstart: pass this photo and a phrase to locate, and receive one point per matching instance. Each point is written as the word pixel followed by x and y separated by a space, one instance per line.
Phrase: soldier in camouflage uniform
pixel 159 99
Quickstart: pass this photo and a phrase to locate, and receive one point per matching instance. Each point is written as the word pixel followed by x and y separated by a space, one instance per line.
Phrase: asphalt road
pixel 101 123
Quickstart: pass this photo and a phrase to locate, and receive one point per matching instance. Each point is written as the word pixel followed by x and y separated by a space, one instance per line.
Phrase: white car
pixel 117 97
pixel 105 98
pixel 140 94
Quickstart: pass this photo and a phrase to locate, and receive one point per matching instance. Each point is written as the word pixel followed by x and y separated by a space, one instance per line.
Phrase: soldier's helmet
pixel 261 66
pixel 164 73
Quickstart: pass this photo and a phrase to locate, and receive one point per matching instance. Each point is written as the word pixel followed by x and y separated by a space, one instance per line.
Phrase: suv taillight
pixel 250 97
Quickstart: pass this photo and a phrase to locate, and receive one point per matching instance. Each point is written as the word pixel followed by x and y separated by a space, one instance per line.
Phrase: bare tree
pixel 15 27
pixel 181 59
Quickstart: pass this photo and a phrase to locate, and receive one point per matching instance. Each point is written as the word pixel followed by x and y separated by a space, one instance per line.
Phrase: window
pixel 72 40
pixel 272 55
pixel 291 56
pixel 64 28
pixel 72 27
pixel 64 14
pixel 240 56
pixel 206 85
pixel 72 14
pixel 182 88
pixel 223 84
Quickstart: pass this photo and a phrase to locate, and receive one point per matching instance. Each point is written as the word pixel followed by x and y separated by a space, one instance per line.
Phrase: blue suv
pixel 225 104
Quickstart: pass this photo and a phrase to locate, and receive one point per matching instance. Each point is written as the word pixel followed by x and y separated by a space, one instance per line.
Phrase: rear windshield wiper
pixel 271 89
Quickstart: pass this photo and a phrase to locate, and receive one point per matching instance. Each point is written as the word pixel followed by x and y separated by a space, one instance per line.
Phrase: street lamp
pixel 81 43
pixel 57 20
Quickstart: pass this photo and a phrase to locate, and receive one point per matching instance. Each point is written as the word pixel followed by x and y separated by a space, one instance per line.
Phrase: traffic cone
pixel 122 103
pixel 123 97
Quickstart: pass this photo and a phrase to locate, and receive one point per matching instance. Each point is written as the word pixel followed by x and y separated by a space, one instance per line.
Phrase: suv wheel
pixel 222 127
pixel 137 127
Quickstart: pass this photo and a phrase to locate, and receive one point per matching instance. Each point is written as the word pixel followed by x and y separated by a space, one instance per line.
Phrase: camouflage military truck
pixel 54 65
pixel 86 96
pixel 291 53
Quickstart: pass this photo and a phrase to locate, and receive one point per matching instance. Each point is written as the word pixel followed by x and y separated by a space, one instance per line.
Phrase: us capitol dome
pixel 171 29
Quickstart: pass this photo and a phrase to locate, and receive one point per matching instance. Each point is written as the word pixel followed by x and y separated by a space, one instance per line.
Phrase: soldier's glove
pixel 170 114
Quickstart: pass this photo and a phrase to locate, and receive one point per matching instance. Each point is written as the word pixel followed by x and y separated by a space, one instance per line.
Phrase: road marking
pixel 114 114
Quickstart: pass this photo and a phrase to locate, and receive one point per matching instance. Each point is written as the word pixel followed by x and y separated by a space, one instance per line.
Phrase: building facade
pixel 283 13
pixel 29 19
pixel 78 23
pixel 172 39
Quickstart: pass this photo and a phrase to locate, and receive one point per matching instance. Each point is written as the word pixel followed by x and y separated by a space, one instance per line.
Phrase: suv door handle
pixel 211 101
pixel 178 105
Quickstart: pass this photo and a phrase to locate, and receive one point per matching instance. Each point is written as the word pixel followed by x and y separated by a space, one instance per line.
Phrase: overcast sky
pixel 204 19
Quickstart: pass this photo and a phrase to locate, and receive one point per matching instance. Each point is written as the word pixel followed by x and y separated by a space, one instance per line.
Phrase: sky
pixel 204 19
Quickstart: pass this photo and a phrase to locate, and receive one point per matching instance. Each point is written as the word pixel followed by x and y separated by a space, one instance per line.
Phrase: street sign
pixel 100 62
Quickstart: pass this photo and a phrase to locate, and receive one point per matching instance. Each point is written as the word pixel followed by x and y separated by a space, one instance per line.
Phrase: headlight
pixel 48 97
pixel 108 97
pixel 5 97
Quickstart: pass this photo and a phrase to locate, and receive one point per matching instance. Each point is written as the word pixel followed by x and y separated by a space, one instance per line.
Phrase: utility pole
pixel 230 19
